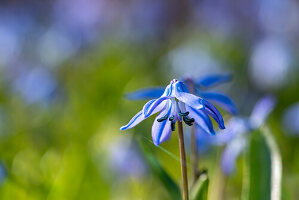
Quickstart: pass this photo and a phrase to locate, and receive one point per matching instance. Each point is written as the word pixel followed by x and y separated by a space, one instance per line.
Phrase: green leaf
pixel 265 167
pixel 200 189
pixel 161 174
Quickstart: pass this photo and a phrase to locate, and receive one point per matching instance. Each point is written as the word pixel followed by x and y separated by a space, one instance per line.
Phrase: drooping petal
pixel 151 105
pixel 231 153
pixel 213 80
pixel 261 111
pixel 180 92
pixel 161 130
pixel 201 119
pixel 147 93
pixel 190 99
pixel 211 110
pixel 222 100
pixel 139 117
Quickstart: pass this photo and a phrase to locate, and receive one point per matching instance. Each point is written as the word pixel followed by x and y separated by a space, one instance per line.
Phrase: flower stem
pixel 183 161
pixel 194 157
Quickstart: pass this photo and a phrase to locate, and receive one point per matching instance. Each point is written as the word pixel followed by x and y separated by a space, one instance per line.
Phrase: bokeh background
pixel 65 66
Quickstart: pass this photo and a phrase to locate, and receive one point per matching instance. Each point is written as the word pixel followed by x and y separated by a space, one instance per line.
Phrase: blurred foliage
pixel 200 189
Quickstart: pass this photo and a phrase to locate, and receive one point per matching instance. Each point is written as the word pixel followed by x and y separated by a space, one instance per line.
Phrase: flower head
pixel 176 103
pixel 199 86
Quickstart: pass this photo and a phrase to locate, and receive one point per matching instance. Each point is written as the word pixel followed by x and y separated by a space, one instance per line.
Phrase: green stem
pixel 183 161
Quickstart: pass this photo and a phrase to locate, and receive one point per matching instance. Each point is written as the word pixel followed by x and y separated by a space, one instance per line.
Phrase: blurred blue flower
pixel 3 174
pixel 235 136
pixel 271 64
pixel 176 103
pixel 291 119
pixel 124 159
pixel 36 85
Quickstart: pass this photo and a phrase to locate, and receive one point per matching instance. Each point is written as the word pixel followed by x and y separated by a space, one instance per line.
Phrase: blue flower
pixel 235 136
pixel 176 103
pixel 199 86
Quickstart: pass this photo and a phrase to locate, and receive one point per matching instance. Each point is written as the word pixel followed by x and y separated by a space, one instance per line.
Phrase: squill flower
pixel 199 85
pixel 238 128
pixel 176 103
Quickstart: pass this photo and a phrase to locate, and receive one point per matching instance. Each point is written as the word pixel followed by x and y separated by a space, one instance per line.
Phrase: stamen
pixel 188 121
pixel 173 125
pixel 183 114
pixel 162 118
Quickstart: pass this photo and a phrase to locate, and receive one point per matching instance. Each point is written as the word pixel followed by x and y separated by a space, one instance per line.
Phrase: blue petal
pixel 181 94
pixel 222 100
pixel 261 111
pixel 211 110
pixel 150 106
pixel 161 130
pixel 139 117
pixel 202 119
pixel 181 87
pixel 231 153
pixel 147 93
pixel 213 80
pixel 168 90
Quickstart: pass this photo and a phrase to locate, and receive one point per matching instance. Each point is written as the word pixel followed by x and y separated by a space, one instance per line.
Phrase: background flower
pixel 236 135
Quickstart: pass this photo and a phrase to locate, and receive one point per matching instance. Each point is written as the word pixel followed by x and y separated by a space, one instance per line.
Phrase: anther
pixel 162 118
pixel 188 121
pixel 171 118
pixel 183 114
pixel 173 125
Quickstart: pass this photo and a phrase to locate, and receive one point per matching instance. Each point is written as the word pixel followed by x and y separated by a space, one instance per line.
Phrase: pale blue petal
pixel 147 93
pixel 202 119
pixel 231 153
pixel 150 106
pixel 222 100
pixel 161 130
pixel 190 99
pixel 181 94
pixel 139 117
pixel 211 110
pixel 213 80
pixel 261 111
pixel 168 90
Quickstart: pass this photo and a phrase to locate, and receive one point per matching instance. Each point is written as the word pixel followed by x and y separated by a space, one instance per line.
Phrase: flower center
pixel 177 112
